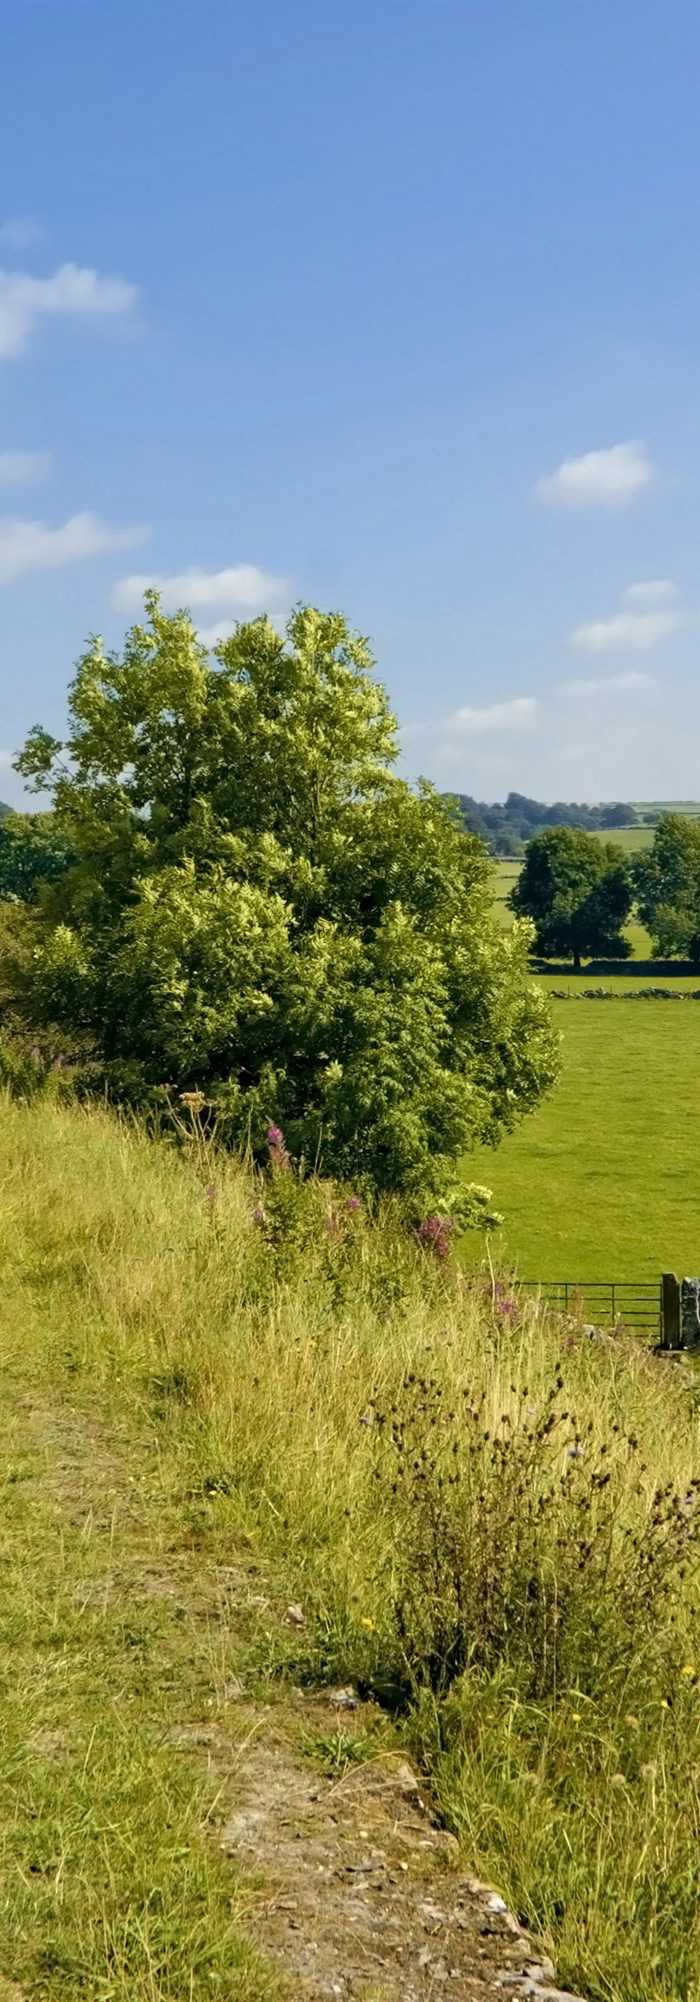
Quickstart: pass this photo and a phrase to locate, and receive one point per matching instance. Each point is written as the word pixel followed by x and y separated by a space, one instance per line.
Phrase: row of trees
pixel 580 892
pixel 234 894
pixel 507 825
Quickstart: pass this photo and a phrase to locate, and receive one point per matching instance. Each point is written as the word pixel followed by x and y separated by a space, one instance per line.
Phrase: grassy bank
pixel 372 1437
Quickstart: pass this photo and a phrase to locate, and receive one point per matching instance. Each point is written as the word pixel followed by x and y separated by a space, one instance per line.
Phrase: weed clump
pixel 525 1541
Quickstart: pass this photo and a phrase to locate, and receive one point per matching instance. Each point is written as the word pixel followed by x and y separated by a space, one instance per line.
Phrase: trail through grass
pixel 110 1640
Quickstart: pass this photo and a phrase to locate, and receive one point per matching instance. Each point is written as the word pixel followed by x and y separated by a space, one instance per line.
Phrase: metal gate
pixel 606 1303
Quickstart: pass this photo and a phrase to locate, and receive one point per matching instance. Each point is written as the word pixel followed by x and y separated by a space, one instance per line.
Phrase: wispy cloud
pixel 72 290
pixel 519 714
pixel 626 632
pixel 31 545
pixel 607 478
pixel 17 469
pixel 19 232
pixel 609 684
pixel 655 591
pixel 211 635
pixel 648 615
pixel 241 588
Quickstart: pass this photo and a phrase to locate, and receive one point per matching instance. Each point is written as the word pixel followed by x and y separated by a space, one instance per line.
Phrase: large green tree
pixel 577 891
pixel 261 909
pixel 667 884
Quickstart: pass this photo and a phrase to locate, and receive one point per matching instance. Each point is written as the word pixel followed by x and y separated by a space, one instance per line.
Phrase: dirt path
pixel 352 1890
pixel 364 1899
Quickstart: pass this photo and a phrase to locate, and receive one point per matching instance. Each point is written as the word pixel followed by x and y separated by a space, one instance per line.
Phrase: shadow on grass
pixel 632 969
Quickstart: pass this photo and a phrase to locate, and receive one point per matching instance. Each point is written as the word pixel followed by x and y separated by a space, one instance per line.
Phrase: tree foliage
pixel 667 884
pixel 578 892
pixel 32 852
pixel 259 908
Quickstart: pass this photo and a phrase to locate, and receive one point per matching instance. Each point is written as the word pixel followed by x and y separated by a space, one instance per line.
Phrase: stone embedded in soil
pixel 343 1699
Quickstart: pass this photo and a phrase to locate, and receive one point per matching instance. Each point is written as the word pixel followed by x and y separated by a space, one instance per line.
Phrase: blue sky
pixel 318 302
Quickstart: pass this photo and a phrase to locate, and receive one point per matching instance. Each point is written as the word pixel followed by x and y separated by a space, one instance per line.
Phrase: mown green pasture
pixel 631 839
pixel 602 1181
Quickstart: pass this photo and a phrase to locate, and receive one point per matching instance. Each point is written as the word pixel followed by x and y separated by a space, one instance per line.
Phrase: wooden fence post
pixel 670 1311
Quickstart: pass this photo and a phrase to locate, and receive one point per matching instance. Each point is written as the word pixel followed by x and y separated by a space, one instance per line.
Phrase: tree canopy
pixel 667 885
pixel 260 909
pixel 578 892
pixel 32 852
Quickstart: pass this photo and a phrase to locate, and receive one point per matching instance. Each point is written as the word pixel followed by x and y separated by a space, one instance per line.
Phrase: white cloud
pixel 627 632
pixel 242 588
pixel 72 290
pixel 18 468
pixel 19 232
pixel 516 715
pixel 610 684
pixel 210 635
pixel 607 478
pixel 657 591
pixel 30 545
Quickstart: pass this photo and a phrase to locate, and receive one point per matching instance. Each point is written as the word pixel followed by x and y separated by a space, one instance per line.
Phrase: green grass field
pixel 631 839
pixel 602 1181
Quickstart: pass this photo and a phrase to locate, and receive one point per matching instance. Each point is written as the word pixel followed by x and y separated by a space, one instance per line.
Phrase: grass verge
pixel 248 1404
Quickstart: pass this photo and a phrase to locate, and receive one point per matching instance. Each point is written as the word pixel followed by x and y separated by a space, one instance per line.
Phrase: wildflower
pixel 689 1669
pixel 618 1780
pixel 279 1157
pixel 194 1100
pixel 353 1203
pixel 368 1624
pixel 576 1716
pixel 259 1214
pixel 633 1723
pixel 664 1705
pixel 434 1235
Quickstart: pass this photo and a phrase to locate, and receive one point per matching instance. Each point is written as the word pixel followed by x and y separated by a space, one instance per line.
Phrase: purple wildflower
pixel 353 1203
pixel 434 1235
pixel 505 1303
pixel 259 1215
pixel 279 1157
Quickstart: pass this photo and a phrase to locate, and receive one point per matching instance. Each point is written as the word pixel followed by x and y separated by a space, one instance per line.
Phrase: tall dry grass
pixel 374 1428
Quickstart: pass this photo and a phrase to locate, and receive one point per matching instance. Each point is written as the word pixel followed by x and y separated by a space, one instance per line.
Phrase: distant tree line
pixel 507 826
